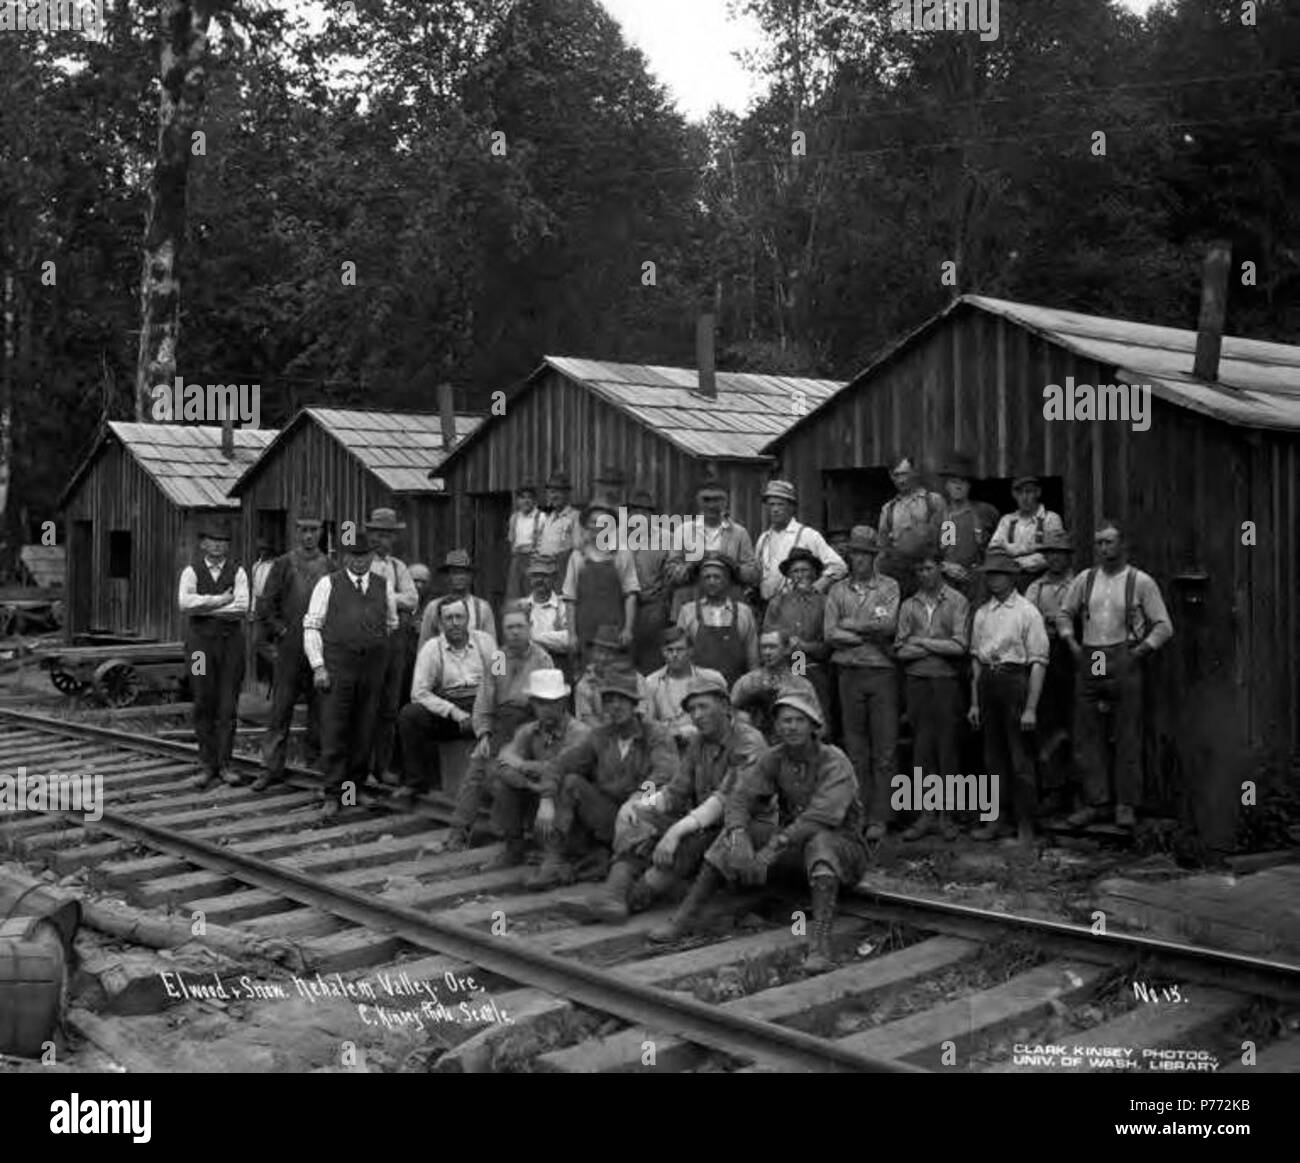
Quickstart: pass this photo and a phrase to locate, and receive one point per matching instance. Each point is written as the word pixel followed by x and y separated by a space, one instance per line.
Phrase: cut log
pixel 141 928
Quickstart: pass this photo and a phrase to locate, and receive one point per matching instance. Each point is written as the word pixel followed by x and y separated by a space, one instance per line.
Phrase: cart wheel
pixel 66 683
pixel 116 683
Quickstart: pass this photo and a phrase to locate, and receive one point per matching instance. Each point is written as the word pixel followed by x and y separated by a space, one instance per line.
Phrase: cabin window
pixel 119 553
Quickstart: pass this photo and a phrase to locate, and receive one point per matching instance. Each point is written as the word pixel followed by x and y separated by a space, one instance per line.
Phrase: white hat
pixel 547 684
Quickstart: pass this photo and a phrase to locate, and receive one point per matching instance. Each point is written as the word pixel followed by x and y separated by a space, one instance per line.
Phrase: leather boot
pixel 554 870
pixel 647 888
pixel 609 902
pixel 825 889
pixel 457 840
pixel 513 853
pixel 688 912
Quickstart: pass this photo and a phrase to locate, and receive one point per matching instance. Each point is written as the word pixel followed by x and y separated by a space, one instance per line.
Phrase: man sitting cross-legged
pixel 662 836
pixel 818 829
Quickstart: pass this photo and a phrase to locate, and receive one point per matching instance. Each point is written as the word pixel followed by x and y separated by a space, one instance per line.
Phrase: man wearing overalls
pixel 723 632
pixel 600 582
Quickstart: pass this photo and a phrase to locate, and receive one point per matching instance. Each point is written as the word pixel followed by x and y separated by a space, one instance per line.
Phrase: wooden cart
pixel 119 674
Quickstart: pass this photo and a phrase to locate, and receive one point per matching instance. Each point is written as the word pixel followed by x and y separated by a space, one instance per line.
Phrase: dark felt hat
pixel 559 480
pixel 802 553
pixel 385 521
pixel 456 559
pixel 999 562
pixel 214 526
pixel 621 681
pixel 959 464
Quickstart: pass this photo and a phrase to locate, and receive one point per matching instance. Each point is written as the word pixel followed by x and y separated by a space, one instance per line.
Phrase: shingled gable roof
pixel 749 410
pixel 184 460
pixel 399 448
pixel 1258 384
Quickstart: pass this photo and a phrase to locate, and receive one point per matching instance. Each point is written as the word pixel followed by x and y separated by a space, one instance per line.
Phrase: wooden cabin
pixel 1209 495
pixel 341 464
pixel 653 425
pixel 130 510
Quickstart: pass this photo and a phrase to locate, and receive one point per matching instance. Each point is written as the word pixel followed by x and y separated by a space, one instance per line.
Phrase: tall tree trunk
pixel 184 39
pixel 6 393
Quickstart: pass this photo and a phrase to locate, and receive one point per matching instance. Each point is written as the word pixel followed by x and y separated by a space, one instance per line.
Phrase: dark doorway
pixel 853 496
pixel 272 527
pixel 491 515
pixel 81 571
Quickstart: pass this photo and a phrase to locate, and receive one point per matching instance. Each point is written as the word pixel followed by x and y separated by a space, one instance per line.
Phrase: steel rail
pixel 300 777
pixel 655 1009
pixel 1240 971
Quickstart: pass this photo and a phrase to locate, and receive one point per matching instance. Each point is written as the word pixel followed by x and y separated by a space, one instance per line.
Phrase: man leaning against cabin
pixel 1124 622
pixel 213 593
pixel 1021 534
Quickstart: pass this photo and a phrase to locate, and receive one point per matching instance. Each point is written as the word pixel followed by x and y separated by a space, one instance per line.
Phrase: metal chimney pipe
pixel 1214 310
pixel 228 434
pixel 447 410
pixel 704 356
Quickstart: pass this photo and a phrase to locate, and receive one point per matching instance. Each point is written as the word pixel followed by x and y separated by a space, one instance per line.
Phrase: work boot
pixel 1083 817
pixel 643 893
pixel 824 891
pixel 554 870
pixel 688 912
pixel 924 825
pixel 265 780
pixel 609 902
pixel 234 778
pixel 204 779
pixel 457 840
pixel 514 852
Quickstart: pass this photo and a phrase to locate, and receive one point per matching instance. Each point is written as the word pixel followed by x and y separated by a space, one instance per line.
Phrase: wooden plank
pixel 297 924
pixel 1149 1027
pixel 623 1052
pixel 186 885
pixel 1023 998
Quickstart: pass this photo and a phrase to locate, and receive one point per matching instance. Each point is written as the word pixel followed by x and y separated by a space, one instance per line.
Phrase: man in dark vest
pixel 345 635
pixel 214 593
pixel 280 612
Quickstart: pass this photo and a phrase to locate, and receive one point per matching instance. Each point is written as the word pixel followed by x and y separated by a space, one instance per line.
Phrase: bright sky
pixel 691 46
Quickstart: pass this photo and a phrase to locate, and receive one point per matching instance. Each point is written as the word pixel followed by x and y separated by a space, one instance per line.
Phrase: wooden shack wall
pixel 117 494
pixel 1225 694
pixel 311 473
pixel 559 424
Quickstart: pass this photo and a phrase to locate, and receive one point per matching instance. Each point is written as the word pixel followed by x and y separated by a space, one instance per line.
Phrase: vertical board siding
pixel 1225 693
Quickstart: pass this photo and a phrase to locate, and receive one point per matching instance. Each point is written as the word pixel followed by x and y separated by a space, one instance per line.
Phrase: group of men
pixel 666 716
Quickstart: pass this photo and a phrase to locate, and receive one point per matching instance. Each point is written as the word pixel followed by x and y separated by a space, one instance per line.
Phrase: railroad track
pixel 929 987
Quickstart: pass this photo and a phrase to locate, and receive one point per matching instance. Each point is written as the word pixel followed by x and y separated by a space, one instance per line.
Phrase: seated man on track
pixel 818 829
pixel 586 785
pixel 662 836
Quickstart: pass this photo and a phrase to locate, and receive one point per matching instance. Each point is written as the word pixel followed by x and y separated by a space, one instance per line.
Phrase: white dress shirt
pixel 319 605
pixel 191 601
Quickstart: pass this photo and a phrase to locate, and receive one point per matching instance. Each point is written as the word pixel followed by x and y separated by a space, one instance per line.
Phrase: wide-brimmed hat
pixel 540 563
pixel 456 559
pixel 801 703
pixel 958 464
pixel 548 685
pixel 218 528
pixel 385 521
pixel 781 491
pixel 309 519
pixel 559 480
pixel 597 505
pixel 620 681
pixel 419 571
pixel 1055 540
pixel 719 561
pixel 363 546
pixel 1027 478
pixel 608 637
pixel 863 539
pixel 801 553
pixel 703 684
pixel 999 562
pixel 642 499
